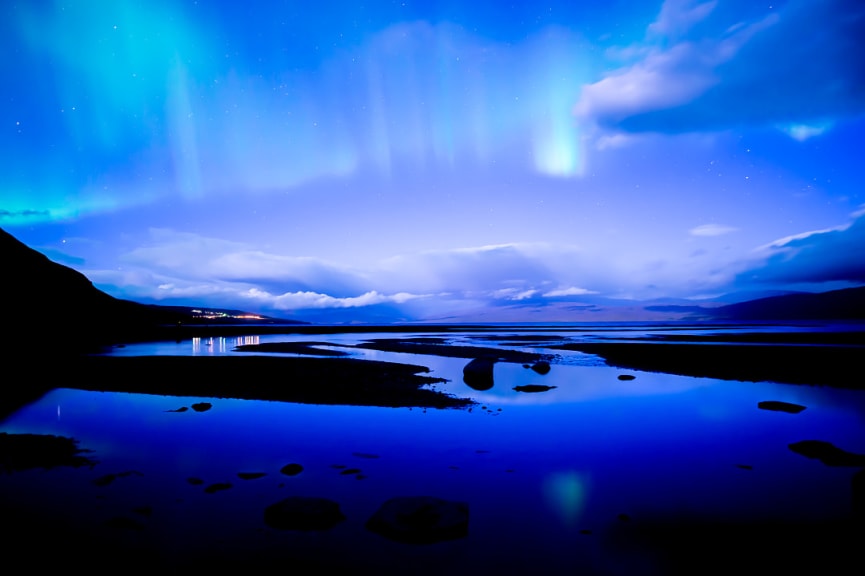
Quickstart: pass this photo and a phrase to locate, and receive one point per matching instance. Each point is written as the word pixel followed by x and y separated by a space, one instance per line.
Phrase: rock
pixel 303 513
pixel 626 377
pixel 541 367
pixel 218 487
pixel 181 409
pixel 143 510
pixel 348 471
pixel 109 478
pixel 420 520
pixel 251 475
pixel 202 406
pixel 533 388
pixel 827 453
pixel 292 469
pixel 478 374
pixel 778 406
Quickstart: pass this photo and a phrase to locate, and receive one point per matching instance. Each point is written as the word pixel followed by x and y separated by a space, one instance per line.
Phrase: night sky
pixel 450 160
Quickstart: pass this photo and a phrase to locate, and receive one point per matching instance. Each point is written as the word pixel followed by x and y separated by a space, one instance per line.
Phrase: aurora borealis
pixel 423 160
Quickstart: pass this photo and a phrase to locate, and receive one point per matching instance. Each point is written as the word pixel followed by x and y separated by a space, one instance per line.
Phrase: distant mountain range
pixel 846 304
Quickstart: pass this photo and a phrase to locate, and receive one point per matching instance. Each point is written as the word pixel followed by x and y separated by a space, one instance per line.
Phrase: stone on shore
pixel 420 520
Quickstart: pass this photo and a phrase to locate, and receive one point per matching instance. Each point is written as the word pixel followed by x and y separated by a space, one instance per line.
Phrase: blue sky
pixel 437 160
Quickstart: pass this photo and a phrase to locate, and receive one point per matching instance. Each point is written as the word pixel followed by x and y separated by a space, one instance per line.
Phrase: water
pixel 547 476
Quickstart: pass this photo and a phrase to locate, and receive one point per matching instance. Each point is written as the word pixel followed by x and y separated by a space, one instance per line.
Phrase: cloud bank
pixel 714 66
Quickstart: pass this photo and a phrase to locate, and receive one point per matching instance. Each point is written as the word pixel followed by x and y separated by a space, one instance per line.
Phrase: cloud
pixel 802 132
pixel 821 256
pixel 711 230
pixel 194 256
pixel 707 68
pixel 304 300
pixel 191 269
pixel 678 16
pixel 571 291
pixel 13 214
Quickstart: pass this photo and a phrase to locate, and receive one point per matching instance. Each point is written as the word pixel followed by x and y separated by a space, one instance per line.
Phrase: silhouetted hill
pixel 45 305
pixel 846 304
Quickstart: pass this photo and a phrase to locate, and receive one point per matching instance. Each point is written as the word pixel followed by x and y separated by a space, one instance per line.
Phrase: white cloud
pixel 571 291
pixel 802 132
pixel 678 16
pixel 816 257
pixel 711 230
pixel 304 300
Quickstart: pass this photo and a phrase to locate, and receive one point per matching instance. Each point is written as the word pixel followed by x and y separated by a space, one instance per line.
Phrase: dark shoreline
pixel 303 380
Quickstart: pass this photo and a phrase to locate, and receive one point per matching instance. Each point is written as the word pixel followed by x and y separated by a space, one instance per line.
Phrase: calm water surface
pixel 546 475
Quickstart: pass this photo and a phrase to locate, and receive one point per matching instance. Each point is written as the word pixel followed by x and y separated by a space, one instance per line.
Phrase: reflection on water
pixel 551 479
pixel 212 346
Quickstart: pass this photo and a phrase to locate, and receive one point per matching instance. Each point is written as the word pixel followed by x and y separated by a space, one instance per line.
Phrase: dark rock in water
pixel 202 406
pixel 109 478
pixel 778 406
pixel 105 480
pixel 143 510
pixel 26 451
pixel 219 486
pixel 251 475
pixel 303 513
pixel 420 520
pixel 478 374
pixel 827 453
pixel 745 466
pixel 364 455
pixel 195 481
pixel 181 409
pixel 348 471
pixel 533 388
pixel 541 367
pixel 292 469
pixel 626 377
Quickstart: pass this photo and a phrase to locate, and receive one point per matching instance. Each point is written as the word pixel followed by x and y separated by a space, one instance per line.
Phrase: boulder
pixel 541 367
pixel 420 520
pixel 303 513
pixel 292 469
pixel 478 374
